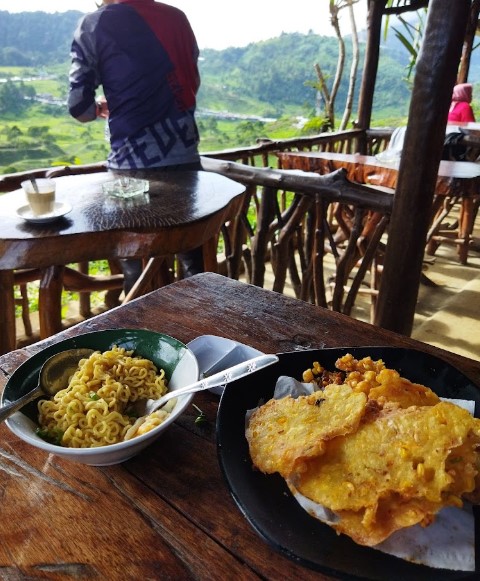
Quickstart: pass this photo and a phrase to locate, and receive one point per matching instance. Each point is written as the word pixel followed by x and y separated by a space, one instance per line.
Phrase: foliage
pixel 410 35
pixel 268 79
pixel 277 72
pixel 36 38
pixel 36 139
pixel 14 97
pixel 263 90
pixel 315 125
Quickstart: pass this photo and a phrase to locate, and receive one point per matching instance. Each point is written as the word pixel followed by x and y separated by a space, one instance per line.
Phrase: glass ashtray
pixel 125 187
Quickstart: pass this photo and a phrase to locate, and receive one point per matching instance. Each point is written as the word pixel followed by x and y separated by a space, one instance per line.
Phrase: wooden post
pixel 50 300
pixel 434 80
pixel 7 312
pixel 462 76
pixel 372 52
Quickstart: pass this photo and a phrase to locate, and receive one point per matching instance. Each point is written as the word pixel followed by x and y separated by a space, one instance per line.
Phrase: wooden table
pixel 166 513
pixel 181 211
pixel 471 137
pixel 457 181
pixel 467 126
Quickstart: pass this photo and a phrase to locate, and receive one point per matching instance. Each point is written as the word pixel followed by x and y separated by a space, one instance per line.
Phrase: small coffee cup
pixel 40 195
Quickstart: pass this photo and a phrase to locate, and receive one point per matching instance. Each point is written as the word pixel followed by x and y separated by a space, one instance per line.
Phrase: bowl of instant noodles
pixel 97 417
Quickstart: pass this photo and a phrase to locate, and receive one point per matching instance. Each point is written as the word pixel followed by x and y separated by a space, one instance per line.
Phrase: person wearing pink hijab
pixel 460 109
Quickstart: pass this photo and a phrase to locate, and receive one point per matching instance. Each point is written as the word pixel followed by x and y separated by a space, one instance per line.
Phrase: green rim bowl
pixel 178 361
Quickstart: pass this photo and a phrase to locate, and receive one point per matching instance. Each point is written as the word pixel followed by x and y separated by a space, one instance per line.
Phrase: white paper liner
pixel 448 543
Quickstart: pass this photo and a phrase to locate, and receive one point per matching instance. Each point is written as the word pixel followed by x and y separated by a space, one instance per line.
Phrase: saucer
pixel 59 210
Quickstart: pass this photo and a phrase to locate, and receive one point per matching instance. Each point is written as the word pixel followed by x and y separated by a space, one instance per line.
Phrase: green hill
pixel 268 78
pixel 260 90
pixel 36 38
pixel 276 76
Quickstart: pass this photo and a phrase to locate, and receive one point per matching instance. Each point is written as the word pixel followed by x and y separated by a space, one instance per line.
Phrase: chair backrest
pixel 70 170
pixel 393 152
pixel 13 181
pixel 397 139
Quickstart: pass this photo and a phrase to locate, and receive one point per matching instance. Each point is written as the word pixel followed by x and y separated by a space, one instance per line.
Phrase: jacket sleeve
pixel 83 76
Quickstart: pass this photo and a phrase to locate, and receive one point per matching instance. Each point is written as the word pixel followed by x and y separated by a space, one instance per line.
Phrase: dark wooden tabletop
pixel 167 513
pixel 100 226
pixel 464 126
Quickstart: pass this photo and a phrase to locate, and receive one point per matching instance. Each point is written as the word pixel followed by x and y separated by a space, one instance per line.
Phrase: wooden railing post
pixel 435 77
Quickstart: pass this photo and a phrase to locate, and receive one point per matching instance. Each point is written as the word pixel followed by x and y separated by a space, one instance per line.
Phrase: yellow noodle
pixel 90 411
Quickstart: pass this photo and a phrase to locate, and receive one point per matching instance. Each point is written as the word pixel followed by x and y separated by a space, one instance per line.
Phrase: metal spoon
pixel 218 379
pixel 54 375
pixel 35 185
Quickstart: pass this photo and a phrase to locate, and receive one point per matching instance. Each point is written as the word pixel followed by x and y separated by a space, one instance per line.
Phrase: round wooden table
pixel 181 211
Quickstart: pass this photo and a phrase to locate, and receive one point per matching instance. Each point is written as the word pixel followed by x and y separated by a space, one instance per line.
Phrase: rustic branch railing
pixel 298 237
pixel 350 141
pixel 368 142
pixel 296 240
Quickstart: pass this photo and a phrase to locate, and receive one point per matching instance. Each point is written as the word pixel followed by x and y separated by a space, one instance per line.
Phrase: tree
pixel 11 56
pixel 411 37
pixel 353 69
pixel 11 98
pixel 329 95
pixel 41 133
pixel 14 133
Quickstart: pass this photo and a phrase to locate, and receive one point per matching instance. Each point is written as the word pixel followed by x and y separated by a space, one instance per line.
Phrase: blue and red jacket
pixel 144 55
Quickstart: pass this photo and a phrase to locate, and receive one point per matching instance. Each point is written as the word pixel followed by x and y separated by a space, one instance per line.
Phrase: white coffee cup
pixel 40 195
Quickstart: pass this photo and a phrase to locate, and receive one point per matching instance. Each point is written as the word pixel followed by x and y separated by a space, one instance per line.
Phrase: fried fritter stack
pixel 378 451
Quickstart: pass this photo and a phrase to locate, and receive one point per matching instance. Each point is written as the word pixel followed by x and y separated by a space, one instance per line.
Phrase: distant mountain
pixel 36 38
pixel 278 74
pixel 266 78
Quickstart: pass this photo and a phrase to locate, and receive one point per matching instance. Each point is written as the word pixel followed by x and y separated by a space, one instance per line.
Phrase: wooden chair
pixel 156 272
pixel 22 278
pixel 59 278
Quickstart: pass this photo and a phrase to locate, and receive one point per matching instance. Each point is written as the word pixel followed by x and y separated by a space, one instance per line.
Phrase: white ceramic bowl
pixel 179 363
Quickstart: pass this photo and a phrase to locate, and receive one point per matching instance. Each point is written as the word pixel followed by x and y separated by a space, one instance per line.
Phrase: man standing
pixel 144 55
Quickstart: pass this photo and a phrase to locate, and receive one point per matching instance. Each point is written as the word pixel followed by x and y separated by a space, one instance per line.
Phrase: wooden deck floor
pixel 447 314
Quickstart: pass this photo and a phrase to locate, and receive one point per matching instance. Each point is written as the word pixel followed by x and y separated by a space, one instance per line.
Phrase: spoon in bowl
pixel 216 380
pixel 54 375
pixel 56 371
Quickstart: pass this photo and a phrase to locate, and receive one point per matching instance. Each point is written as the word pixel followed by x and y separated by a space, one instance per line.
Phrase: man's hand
pixel 102 107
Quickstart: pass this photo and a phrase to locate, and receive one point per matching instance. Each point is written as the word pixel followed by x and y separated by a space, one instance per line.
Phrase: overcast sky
pixel 223 23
